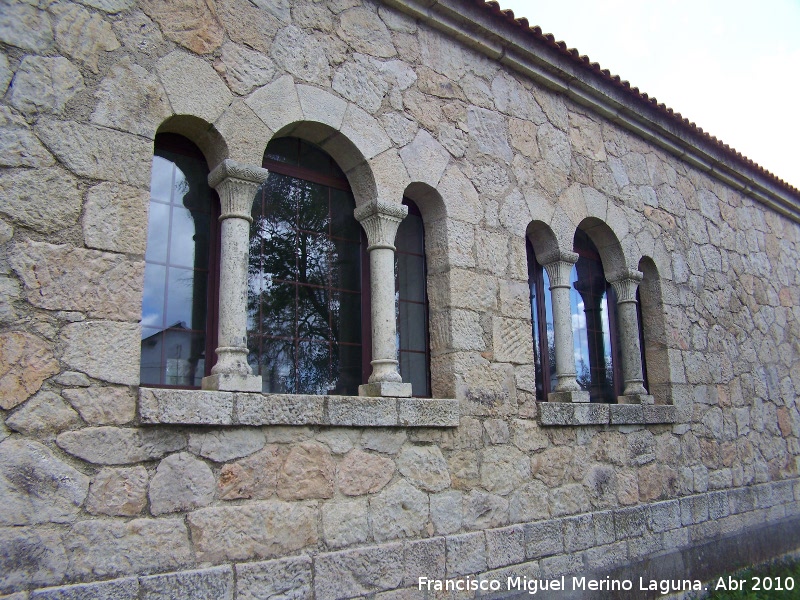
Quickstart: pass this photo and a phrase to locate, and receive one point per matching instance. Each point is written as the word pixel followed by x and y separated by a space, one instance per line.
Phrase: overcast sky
pixel 732 67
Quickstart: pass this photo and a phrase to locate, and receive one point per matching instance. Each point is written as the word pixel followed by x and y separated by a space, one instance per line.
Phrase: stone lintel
pixel 568 413
pixel 203 407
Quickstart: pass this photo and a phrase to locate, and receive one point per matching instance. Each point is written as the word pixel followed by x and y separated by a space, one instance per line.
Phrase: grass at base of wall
pixel 751 583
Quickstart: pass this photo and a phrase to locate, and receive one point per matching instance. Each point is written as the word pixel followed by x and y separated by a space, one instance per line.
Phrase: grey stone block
pixel 694 509
pixel 704 531
pixel 604 527
pixel 357 572
pixel 664 516
pixel 605 557
pixel 424 558
pixel 383 389
pixel 505 546
pixel 361 411
pixel 741 500
pixel 630 522
pixel 466 554
pixel 287 579
pixel 646 545
pixel 626 414
pixel 563 564
pixel 279 409
pixel 515 573
pixel 116 589
pixel 204 584
pixel 555 413
pixel 428 412
pixel 718 505
pixel 578 533
pixel 190 407
pixel 543 538
pixel 659 413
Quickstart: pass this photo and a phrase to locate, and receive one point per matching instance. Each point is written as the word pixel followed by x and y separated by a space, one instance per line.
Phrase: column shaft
pixel 630 350
pixel 559 267
pixel 380 221
pixel 237 185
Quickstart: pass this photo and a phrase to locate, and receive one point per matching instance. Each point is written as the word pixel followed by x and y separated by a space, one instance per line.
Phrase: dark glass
pixel 544 350
pixel 176 280
pixel 304 300
pixel 412 307
pixel 590 299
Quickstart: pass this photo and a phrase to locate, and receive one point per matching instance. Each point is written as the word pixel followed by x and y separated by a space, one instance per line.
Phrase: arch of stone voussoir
pixel 544 241
pixel 353 137
pixel 654 329
pixel 612 251
pixel 204 135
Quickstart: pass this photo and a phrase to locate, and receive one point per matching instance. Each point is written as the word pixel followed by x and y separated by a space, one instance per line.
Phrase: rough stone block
pixel 361 411
pixel 362 473
pixel 36 487
pixel 446 512
pixel 307 472
pixel 664 516
pixel 193 87
pixel 231 382
pixel 626 414
pixel 279 409
pixel 31 557
pixel 103 349
pixel 222 445
pixel 24 194
pixel 659 413
pixel 289 578
pixel 104 548
pixel 386 389
pixel 118 492
pixel 424 558
pixel 466 554
pixel 564 564
pixel 257 530
pixel 182 482
pixel 603 558
pixel 103 405
pixel 401 510
pixel 45 413
pixel 277 103
pixel 579 533
pixel 215 583
pixel 630 522
pixel 505 546
pixel 117 446
pixel 116 589
pixel 543 538
pixel 190 407
pixel 718 505
pixel 358 572
pixel 345 522
pixel 25 362
pixel 113 218
pixel 428 412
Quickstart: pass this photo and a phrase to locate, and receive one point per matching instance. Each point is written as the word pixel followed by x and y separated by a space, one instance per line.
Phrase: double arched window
pixel 595 355
pixel 308 292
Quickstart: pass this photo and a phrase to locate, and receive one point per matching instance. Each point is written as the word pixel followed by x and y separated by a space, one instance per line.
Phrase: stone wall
pixel 94 488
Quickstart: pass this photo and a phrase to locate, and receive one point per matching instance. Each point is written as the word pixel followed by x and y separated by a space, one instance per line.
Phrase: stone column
pixel 236 185
pixel 625 285
pixel 380 220
pixel 559 267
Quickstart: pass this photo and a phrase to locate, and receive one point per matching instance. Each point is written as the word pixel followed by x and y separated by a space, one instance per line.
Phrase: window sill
pixel 565 413
pixel 199 407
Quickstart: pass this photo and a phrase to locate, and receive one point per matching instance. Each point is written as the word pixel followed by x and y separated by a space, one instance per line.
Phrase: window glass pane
pixel 296 275
pixel 415 366
pixel 412 322
pixel 157 232
pixel 161 179
pixel 283 150
pixel 550 330
pixel 411 277
pixel 176 279
pixel 409 235
pixel 182 239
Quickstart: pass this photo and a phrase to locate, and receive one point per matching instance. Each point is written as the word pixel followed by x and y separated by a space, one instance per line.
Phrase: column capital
pixel 236 185
pixel 380 220
pixel 625 283
pixel 558 265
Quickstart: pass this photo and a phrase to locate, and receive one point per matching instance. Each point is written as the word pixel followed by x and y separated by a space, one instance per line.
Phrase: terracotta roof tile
pixel 548 39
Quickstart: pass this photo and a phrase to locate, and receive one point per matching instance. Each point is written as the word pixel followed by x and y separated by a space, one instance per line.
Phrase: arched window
pixel 305 316
pixel 178 338
pixel 593 303
pixel 412 302
pixel 593 317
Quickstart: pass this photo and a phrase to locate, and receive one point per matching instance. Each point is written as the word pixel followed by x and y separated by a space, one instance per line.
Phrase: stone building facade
pixel 511 146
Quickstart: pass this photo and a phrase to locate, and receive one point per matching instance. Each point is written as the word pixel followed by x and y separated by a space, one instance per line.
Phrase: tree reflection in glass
pixel 304 296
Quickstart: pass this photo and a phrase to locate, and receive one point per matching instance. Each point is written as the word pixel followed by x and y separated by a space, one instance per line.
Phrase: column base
pixel 232 382
pixel 385 388
pixel 636 399
pixel 579 396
